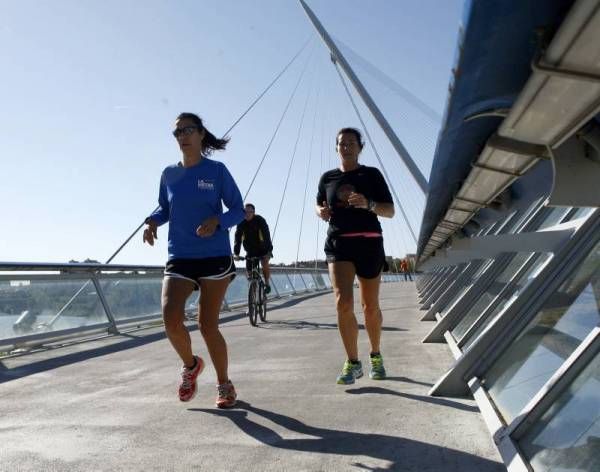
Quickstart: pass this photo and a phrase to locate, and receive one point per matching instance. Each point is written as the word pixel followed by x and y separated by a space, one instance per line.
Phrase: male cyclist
pixel 254 233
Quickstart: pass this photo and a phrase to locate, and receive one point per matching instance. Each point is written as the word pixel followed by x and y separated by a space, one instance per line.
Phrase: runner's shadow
pixel 409 380
pixel 412 396
pixel 301 324
pixel 296 324
pixel 403 454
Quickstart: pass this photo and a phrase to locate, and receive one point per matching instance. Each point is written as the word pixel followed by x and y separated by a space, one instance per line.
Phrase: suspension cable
pixel 291 164
pixel 433 116
pixel 310 150
pixel 376 153
pixel 287 106
pixel 320 173
pixel 267 89
pixel 109 260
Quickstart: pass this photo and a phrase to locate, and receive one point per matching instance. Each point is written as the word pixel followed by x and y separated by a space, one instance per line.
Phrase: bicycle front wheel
pixel 253 306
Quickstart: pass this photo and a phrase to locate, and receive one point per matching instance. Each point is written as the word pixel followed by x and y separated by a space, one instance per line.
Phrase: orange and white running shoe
pixel 226 396
pixel 188 387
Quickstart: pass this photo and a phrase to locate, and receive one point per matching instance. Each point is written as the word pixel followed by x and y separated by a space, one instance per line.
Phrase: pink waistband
pixel 366 234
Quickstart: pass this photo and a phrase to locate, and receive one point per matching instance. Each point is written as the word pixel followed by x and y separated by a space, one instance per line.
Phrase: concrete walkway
pixel 111 404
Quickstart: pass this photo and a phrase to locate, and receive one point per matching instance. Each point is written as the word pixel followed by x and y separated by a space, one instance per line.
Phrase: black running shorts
pixel 366 254
pixel 261 255
pixel 209 268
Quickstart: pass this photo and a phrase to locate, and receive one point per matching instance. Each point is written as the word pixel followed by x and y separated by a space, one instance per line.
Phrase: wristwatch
pixel 371 205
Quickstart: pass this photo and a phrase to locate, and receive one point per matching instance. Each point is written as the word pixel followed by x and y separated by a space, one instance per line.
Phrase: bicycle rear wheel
pixel 253 306
pixel 263 302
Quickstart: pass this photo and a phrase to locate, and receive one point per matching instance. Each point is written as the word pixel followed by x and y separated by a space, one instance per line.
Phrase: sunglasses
pixel 185 131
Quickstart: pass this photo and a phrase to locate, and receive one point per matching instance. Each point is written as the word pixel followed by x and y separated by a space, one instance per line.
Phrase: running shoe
pixel 226 395
pixel 350 372
pixel 377 371
pixel 188 387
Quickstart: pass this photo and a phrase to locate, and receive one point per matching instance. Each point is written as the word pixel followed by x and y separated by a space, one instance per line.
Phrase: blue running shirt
pixel 190 195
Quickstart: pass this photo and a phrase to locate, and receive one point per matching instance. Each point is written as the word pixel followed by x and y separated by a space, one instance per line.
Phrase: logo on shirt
pixel 206 184
pixel 342 194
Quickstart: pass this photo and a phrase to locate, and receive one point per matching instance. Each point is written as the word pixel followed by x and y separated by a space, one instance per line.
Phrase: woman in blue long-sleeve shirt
pixel 191 198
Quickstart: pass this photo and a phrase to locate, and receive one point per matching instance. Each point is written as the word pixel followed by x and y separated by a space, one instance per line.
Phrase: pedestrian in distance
pixel 191 197
pixel 351 198
pixel 405 269
pixel 253 233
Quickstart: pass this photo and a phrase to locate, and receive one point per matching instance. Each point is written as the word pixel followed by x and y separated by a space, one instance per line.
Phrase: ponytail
pixel 210 142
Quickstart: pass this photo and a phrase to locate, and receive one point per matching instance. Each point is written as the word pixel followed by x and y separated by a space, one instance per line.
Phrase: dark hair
pixel 210 142
pixel 250 205
pixel 353 131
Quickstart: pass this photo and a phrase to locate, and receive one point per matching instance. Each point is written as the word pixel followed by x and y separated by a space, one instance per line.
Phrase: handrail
pixel 56 273
pixel 74 266
pixel 98 267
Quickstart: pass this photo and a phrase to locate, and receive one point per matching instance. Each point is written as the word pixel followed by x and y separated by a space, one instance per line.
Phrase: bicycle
pixel 257 298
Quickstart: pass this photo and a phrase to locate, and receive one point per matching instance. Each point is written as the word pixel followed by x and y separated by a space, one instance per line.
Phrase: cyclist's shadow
pixel 405 454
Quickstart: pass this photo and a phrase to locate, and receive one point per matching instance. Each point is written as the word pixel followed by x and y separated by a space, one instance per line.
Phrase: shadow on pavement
pixel 403 454
pixel 301 324
pixel 84 353
pixel 409 380
pixel 412 396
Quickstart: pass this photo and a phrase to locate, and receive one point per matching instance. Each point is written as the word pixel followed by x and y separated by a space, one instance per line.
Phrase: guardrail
pixel 42 303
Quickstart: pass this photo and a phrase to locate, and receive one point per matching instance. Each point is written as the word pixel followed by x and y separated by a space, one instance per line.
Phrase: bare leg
pixel 212 293
pixel 175 292
pixel 342 278
pixel 369 297
pixel 266 269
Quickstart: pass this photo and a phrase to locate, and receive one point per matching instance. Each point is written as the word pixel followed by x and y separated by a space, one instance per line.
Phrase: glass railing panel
pixel 297 281
pixel 320 280
pixel 131 297
pixel 237 292
pixel 45 305
pixel 525 215
pixel 565 319
pixel 581 213
pixel 556 216
pixel 552 217
pixel 490 293
pixel 507 297
pixel 567 436
pixel 466 284
pixel 281 282
pixel 309 281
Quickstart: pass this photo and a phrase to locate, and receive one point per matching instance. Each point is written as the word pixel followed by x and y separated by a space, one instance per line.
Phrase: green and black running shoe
pixel 350 372
pixel 377 371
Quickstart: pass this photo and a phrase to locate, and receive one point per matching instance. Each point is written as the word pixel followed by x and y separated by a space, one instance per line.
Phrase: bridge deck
pixel 111 404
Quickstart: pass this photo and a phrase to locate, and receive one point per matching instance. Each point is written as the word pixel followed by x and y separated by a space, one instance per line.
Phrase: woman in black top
pixel 351 198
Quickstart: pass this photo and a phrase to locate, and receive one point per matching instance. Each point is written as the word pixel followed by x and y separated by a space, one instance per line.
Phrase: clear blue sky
pixel 89 91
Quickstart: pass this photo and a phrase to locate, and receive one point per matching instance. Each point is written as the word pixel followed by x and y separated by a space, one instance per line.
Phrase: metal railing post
pixel 111 319
pixel 291 284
